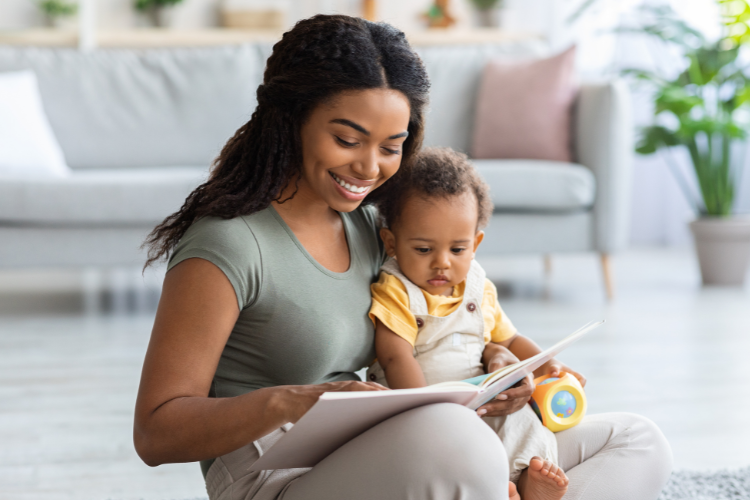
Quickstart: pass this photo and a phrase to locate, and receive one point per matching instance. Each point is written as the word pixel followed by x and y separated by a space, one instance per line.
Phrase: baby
pixel 434 310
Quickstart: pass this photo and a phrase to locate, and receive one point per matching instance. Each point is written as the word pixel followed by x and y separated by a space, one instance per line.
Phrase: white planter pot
pixel 489 18
pixel 723 247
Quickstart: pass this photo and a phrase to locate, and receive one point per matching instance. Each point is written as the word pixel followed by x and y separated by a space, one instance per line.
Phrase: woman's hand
pixel 510 401
pixel 296 400
pixel 496 356
pixel 555 368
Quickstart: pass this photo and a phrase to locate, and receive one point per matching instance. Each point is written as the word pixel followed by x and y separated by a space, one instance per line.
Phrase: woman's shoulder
pixel 365 217
pixel 229 244
pixel 364 222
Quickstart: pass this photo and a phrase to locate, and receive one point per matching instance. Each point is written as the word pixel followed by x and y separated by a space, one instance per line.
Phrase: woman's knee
pixel 646 435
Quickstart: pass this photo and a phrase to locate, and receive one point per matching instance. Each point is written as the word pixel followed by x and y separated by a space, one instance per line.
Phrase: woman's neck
pixel 301 208
pixel 317 227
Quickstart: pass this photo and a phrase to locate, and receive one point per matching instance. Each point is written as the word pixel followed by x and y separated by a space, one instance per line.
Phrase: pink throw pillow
pixel 523 109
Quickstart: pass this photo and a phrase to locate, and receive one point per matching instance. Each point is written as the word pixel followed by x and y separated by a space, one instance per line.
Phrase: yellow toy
pixel 559 402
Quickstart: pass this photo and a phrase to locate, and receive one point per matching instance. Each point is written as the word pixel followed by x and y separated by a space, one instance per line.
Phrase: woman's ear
pixel 389 240
pixel 478 239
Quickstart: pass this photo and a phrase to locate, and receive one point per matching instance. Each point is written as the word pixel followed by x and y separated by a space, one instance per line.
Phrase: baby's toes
pixel 560 477
pixel 549 469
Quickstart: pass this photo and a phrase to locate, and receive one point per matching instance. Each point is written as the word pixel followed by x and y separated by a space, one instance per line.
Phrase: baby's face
pixel 434 241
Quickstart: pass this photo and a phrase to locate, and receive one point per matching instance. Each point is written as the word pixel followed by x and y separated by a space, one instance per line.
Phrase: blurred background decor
pixel 705 111
pixel 156 12
pixel 488 13
pixel 58 13
pixel 249 14
pixel 439 15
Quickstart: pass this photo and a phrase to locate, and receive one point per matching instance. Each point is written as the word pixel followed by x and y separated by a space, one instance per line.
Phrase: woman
pixel 264 306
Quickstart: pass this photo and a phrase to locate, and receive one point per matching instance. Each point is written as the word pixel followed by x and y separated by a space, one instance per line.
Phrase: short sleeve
pixel 497 325
pixel 230 245
pixel 390 304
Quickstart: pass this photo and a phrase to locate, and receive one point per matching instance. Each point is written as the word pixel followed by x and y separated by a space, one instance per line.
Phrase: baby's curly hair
pixel 436 172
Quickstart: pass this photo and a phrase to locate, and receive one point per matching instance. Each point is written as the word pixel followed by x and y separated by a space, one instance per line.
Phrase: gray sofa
pixel 140 128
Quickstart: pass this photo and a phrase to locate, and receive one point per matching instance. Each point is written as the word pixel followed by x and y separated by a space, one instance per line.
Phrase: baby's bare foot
pixel 513 492
pixel 543 480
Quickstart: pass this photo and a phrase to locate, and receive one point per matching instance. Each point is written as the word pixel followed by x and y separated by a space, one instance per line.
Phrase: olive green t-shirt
pixel 299 323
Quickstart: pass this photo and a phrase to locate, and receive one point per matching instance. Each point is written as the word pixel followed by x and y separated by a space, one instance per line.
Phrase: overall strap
pixel 417 302
pixel 475 284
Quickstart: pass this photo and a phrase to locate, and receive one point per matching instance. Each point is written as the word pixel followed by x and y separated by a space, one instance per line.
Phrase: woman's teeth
pixel 349 187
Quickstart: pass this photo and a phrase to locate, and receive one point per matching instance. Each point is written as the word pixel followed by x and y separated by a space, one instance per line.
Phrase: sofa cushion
pixel 523 109
pixel 455 72
pixel 538 185
pixel 114 108
pixel 28 146
pixel 102 197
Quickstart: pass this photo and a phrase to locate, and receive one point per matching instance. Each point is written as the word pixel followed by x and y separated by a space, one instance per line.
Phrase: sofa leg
pixel 547 266
pixel 607 274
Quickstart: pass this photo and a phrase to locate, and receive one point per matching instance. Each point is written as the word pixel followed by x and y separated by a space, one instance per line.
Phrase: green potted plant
pixel 155 11
pixel 488 12
pixel 57 11
pixel 705 110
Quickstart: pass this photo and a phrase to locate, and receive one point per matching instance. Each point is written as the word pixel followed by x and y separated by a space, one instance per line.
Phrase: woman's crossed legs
pixel 614 456
pixel 435 452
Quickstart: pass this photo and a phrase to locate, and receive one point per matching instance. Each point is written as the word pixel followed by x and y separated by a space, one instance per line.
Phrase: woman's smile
pixel 351 188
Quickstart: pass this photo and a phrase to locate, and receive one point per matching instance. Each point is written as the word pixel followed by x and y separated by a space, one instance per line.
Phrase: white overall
pixel 450 348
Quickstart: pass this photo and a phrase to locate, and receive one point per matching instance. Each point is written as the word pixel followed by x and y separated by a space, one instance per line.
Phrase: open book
pixel 338 417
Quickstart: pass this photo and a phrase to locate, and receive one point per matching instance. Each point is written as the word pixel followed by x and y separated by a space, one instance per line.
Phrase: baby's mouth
pixel 439 280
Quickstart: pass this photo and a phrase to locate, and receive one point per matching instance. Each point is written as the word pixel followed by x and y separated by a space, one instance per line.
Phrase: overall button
pixel 471 306
pixel 373 377
pixel 420 322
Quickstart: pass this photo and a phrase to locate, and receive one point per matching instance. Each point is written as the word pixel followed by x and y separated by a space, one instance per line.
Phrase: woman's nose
pixel 367 165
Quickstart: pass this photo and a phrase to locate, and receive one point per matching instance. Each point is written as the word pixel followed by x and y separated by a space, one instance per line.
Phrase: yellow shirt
pixel 390 304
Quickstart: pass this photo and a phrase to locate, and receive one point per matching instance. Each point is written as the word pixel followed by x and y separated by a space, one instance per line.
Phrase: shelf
pixel 154 37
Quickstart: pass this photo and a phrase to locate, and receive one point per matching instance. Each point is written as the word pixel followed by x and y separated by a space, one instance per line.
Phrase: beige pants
pixel 444 452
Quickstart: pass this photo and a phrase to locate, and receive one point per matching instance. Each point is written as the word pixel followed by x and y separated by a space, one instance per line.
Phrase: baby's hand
pixel 556 369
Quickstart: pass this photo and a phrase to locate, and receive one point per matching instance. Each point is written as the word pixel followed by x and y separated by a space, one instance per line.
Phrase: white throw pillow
pixel 28 146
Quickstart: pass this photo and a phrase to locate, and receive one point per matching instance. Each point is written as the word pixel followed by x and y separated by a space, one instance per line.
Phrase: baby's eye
pixel 422 249
pixel 457 250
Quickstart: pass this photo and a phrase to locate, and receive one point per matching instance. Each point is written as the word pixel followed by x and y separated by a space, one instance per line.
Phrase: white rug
pixel 720 485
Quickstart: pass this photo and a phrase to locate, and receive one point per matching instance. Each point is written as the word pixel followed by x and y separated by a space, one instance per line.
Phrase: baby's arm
pixel 396 357
pixel 523 348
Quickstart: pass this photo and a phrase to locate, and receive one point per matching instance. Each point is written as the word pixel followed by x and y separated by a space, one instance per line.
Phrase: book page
pixel 339 417
pixel 514 373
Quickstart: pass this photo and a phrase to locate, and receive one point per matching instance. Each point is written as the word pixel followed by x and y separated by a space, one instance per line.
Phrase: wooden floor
pixel 670 350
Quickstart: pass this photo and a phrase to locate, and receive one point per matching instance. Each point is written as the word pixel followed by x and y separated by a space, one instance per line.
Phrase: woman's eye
pixel 345 143
pixel 392 151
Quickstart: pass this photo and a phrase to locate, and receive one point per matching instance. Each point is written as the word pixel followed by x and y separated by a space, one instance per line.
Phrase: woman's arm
pixel 175 420
pixel 396 357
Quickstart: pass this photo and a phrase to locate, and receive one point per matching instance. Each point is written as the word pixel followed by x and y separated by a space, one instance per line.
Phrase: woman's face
pixel 352 145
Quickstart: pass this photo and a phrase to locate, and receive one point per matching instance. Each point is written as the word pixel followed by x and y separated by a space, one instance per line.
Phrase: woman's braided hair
pixel 436 173
pixel 312 63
